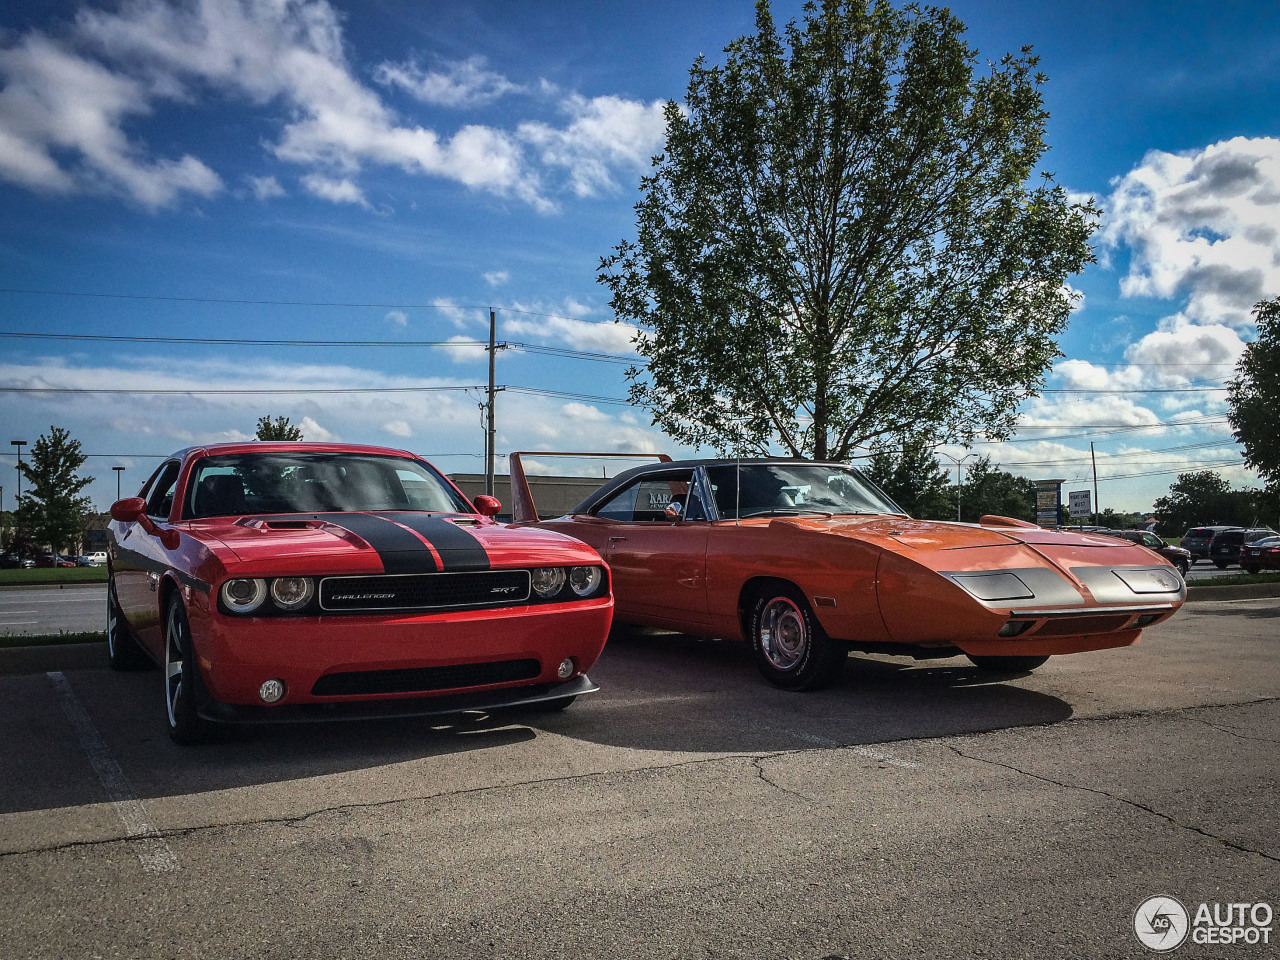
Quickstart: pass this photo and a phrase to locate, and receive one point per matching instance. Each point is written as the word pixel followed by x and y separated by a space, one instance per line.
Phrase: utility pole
pixel 19 444
pixel 957 462
pixel 119 471
pixel 489 432
pixel 1094 460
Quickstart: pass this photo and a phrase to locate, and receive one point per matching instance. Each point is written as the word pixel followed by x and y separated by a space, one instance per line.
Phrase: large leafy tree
pixel 845 239
pixel 915 480
pixel 278 429
pixel 51 508
pixel 989 490
pixel 1254 395
pixel 1204 498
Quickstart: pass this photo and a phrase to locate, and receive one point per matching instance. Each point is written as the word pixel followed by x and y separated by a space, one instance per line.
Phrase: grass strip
pixel 51 576
pixel 48 639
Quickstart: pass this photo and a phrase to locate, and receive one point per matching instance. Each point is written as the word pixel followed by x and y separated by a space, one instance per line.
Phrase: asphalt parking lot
pixel 686 810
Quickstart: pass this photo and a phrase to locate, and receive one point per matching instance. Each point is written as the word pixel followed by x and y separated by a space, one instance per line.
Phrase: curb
pixel 53 656
pixel 1240 591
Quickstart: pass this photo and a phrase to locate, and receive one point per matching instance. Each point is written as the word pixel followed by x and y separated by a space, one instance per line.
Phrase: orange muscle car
pixel 807 561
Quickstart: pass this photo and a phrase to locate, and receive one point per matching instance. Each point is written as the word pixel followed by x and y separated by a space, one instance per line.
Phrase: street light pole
pixel 957 462
pixel 119 471
pixel 19 444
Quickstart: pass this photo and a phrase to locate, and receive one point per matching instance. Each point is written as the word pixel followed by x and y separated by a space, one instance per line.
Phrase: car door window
pixel 645 499
pixel 1152 541
pixel 160 501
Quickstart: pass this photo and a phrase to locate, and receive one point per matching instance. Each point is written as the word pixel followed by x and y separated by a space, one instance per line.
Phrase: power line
pixel 233 392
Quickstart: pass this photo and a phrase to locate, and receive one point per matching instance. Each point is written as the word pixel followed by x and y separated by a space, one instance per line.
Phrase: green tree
pixel 51 508
pixel 1197 498
pixel 841 241
pixel 278 429
pixel 989 490
pixel 915 481
pixel 1253 395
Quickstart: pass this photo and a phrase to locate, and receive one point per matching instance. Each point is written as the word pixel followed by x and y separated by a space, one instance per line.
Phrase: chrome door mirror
pixel 672 510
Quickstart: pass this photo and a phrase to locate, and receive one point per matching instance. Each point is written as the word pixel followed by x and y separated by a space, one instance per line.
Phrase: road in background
pixel 39 610
pixel 686 810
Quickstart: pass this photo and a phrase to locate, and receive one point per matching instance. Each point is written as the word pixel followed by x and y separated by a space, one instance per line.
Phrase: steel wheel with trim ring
pixel 123 652
pixel 791 649
pixel 183 690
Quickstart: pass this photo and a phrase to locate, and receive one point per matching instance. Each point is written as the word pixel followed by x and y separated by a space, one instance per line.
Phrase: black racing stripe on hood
pixel 398 549
pixel 458 548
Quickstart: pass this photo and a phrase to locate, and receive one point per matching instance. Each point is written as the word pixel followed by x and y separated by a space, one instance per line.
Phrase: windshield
pixel 782 489
pixel 249 483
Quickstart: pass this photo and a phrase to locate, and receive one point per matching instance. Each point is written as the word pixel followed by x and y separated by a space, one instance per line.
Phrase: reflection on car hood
pixel 399 542
pixel 943 534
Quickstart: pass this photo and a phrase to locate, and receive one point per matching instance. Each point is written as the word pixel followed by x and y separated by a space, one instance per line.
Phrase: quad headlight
pixel 547 581
pixel 291 593
pixel 244 596
pixel 585 580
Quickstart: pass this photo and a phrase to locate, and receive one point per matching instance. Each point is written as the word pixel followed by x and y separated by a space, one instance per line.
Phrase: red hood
pixel 266 541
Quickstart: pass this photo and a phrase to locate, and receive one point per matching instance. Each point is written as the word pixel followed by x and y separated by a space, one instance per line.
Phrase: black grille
pixel 424 679
pixel 425 591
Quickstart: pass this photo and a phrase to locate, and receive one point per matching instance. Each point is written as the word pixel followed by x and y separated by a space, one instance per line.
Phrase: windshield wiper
pixel 785 513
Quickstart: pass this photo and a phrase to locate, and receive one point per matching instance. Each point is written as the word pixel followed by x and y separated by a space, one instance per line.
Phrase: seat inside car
pixel 219 496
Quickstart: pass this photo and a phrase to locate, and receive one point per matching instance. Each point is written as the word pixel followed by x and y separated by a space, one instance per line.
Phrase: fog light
pixel 1147 618
pixel 566 669
pixel 271 692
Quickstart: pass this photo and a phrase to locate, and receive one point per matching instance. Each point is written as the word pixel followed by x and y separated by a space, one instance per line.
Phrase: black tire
pixel 1219 564
pixel 183 690
pixel 1252 569
pixel 791 649
pixel 123 651
pixel 1007 664
pixel 1184 568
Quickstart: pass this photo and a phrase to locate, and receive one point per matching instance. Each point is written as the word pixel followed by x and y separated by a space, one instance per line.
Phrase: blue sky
pixel 410 165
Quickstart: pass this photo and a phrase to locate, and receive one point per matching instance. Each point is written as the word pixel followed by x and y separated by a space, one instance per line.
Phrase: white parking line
pixel 152 852
pixel 17 623
pixel 65 600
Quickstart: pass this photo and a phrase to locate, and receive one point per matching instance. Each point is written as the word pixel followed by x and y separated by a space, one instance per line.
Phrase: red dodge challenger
pixel 311 581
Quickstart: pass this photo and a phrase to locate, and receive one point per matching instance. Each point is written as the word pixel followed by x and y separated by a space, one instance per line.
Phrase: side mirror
pixel 672 510
pixel 129 510
pixel 487 506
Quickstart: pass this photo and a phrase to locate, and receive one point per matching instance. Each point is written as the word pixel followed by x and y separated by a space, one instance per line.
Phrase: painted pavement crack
pixel 1119 799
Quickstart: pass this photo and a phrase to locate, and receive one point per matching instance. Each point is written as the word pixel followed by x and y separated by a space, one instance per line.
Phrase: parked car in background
pixel 1261 555
pixel 98 556
pixel 311 581
pixel 85 561
pixel 49 561
pixel 1197 540
pixel 11 561
pixel 807 561
pixel 1180 557
pixel 1225 549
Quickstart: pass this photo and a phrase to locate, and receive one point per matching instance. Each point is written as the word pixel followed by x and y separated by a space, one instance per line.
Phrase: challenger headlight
pixel 290 593
pixel 585 580
pixel 547 581
pixel 243 596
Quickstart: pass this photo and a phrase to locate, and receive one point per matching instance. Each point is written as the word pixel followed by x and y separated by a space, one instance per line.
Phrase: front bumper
pixel 389 709
pixel 236 655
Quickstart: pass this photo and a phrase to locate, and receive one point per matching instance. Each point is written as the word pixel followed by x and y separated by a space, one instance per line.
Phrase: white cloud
pixel 579 334
pixel 313 431
pixel 64 105
pixel 61 129
pixel 335 191
pixel 496 278
pixel 265 188
pixel 462 83
pixel 473 352
pixel 604 132
pixel 398 428
pixel 1203 224
pixel 461 317
pixel 397 318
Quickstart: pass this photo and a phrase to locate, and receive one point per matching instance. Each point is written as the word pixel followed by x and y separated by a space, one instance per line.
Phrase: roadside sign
pixel 1079 503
